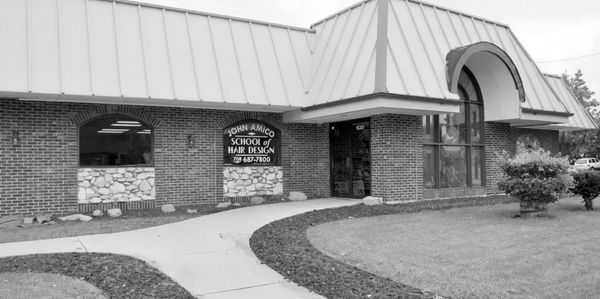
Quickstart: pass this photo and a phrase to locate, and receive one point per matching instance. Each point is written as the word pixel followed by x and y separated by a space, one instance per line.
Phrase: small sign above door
pixel 251 143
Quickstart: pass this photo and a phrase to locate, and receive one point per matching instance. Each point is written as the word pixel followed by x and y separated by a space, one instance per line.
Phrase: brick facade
pixel 40 175
pixel 397 157
pixel 497 140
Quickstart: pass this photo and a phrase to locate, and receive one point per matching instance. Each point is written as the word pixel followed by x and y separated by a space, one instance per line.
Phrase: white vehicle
pixel 587 164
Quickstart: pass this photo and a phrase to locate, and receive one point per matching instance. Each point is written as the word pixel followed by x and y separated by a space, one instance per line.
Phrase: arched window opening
pixel 116 140
pixel 453 150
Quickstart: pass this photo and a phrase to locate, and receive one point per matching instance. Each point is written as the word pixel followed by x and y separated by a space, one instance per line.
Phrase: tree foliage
pixel 587 185
pixel 535 176
pixel 580 90
pixel 581 143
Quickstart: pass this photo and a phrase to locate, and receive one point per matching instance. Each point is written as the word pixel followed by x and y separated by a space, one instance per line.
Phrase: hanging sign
pixel 251 143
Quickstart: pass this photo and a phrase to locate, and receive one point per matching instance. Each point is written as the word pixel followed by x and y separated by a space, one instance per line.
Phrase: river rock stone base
pixel 107 185
pixel 252 181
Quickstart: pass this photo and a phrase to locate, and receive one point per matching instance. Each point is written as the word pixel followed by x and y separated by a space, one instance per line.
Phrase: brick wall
pixel 40 175
pixel 306 150
pixel 497 139
pixel 548 140
pixel 397 157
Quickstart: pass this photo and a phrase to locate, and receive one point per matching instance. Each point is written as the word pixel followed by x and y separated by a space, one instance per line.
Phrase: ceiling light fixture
pixel 125 125
pixel 116 130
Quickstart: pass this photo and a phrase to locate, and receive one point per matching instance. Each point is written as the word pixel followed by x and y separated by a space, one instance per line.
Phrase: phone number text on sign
pixel 251 143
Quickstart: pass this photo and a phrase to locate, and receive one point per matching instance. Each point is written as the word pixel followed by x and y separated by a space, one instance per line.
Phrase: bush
pixel 587 185
pixel 535 176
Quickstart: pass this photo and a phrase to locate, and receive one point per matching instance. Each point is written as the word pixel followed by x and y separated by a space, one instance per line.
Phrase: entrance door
pixel 350 147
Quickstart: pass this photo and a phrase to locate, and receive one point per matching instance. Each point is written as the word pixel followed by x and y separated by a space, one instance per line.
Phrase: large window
pixel 115 141
pixel 453 152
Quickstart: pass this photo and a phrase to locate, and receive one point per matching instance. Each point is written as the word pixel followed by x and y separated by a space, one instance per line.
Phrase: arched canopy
pixel 458 58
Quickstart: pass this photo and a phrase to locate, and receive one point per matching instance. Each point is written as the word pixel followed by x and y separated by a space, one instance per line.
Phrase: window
pixel 453 151
pixel 115 141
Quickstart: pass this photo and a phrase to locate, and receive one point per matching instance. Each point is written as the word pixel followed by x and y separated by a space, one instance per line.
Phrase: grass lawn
pixel 475 252
pixel 84 275
pixel 43 285
pixel 130 220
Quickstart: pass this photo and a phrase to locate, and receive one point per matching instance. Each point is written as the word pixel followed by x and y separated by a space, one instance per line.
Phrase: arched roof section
pixel 457 58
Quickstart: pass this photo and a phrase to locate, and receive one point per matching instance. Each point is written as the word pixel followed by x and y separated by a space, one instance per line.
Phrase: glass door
pixel 350 146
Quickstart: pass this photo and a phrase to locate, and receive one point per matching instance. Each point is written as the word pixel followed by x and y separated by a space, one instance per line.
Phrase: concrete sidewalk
pixel 210 256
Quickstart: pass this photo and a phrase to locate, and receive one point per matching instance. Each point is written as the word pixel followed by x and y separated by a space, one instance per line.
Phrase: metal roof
pixel 129 50
pixel 404 43
pixel 581 120
pixel 420 36
pixel 123 51
pixel 344 55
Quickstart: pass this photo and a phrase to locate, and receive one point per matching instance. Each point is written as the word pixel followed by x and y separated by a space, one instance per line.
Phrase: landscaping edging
pixel 284 246
pixel 118 276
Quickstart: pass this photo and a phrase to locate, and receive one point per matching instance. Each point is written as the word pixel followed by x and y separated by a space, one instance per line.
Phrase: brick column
pixel 497 139
pixel 397 157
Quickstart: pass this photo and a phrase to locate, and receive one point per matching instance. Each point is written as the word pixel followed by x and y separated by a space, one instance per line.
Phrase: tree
pixel 580 89
pixel 577 144
pixel 587 185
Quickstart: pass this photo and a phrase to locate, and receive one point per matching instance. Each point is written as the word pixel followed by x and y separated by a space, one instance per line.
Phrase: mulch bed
pixel 118 276
pixel 284 246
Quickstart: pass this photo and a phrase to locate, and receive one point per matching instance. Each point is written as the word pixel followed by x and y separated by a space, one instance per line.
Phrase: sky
pixel 552 31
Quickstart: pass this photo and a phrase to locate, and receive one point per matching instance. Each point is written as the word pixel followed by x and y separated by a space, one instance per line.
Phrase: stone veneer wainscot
pixel 107 185
pixel 252 181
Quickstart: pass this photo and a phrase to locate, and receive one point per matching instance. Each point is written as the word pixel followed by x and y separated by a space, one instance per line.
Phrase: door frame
pixel 331 180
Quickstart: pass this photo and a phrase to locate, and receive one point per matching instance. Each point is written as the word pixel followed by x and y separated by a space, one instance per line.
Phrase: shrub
pixel 535 176
pixel 587 185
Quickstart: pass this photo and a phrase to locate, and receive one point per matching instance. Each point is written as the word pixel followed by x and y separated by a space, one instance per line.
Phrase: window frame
pixel 468 145
pixel 144 123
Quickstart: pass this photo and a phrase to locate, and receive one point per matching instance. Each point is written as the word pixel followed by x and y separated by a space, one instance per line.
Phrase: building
pixel 107 103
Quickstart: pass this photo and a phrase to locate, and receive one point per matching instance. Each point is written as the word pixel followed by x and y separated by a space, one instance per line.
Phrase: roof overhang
pixel 369 105
pixel 42 97
pixel 532 117
pixel 582 120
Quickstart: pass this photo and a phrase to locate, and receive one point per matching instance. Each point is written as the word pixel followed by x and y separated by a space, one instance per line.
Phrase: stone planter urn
pixel 531 209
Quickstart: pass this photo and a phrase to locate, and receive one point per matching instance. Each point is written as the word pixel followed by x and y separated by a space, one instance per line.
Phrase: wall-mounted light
pixel 190 141
pixel 16 138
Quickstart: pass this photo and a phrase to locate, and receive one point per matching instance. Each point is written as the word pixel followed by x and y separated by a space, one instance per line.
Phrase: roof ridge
pixel 339 12
pixel 345 10
pixel 203 13
pixel 458 12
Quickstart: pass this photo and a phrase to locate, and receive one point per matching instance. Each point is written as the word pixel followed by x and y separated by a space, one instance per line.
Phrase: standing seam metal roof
pixel 125 49
pixel 581 118
pixel 422 34
pixel 418 36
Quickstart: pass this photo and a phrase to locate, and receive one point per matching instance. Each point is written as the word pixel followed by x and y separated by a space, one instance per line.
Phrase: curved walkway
pixel 210 256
